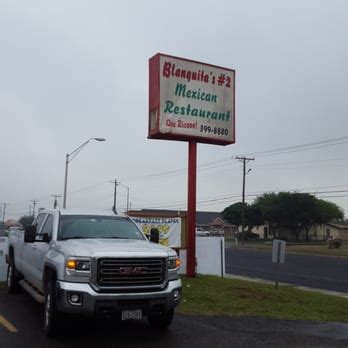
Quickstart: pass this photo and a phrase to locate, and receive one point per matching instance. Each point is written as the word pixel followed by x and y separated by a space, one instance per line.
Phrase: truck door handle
pixel 34 246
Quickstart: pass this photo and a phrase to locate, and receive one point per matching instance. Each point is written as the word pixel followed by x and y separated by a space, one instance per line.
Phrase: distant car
pixel 217 232
pixel 200 232
pixel 248 236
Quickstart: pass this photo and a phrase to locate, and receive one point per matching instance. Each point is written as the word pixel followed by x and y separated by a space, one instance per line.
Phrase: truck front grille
pixel 130 272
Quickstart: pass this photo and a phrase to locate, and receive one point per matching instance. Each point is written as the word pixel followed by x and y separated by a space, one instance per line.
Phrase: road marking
pixel 7 325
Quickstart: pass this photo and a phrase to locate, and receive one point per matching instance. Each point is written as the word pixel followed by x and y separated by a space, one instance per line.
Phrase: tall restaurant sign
pixel 191 101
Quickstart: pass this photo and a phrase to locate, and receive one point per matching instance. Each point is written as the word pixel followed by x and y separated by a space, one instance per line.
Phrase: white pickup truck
pixel 93 264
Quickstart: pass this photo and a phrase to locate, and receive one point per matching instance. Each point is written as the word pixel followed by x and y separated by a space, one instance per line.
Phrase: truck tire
pixel 52 317
pixel 12 278
pixel 161 321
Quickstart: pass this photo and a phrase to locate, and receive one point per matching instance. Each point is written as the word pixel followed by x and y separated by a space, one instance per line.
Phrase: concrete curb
pixel 299 287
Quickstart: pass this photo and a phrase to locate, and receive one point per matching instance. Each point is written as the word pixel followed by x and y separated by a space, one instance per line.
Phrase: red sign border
pixel 154 103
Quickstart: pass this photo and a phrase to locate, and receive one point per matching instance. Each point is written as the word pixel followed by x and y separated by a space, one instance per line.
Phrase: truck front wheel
pixel 52 318
pixel 12 278
pixel 161 321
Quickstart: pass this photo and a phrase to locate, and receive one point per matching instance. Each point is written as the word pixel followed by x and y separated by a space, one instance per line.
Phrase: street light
pixel 69 157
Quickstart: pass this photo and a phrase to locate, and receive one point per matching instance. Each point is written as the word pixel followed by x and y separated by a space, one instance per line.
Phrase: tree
pixel 11 223
pixel 267 205
pixel 296 211
pixel 233 214
pixel 253 216
pixel 26 220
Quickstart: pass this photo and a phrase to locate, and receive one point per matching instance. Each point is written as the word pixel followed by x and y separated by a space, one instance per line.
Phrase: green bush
pixel 334 243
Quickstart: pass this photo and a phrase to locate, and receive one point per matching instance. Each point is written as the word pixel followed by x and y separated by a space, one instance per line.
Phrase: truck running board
pixel 32 291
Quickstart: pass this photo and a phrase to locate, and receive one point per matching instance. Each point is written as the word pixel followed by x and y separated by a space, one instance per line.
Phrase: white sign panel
pixel 191 101
pixel 210 254
pixel 169 228
pixel 278 251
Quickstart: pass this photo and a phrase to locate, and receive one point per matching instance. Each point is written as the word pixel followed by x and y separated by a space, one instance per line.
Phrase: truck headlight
pixel 76 265
pixel 173 262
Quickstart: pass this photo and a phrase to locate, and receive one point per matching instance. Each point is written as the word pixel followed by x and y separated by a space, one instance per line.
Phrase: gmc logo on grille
pixel 132 270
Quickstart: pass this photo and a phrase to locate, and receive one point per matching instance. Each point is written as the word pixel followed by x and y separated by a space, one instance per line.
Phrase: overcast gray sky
pixel 71 70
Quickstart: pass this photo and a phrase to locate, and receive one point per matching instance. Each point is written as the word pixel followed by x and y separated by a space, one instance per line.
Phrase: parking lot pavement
pixel 25 315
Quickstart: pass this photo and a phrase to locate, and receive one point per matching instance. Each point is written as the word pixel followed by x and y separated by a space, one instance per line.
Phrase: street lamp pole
pixel 68 158
pixel 3 211
pixel 65 179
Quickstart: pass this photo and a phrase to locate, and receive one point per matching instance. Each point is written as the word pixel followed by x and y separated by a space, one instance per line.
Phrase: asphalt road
pixel 329 273
pixel 25 316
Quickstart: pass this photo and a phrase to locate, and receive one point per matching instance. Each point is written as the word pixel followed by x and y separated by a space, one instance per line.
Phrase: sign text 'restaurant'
pixel 196 101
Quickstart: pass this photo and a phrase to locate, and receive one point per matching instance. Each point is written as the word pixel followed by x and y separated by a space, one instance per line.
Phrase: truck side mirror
pixel 29 234
pixel 154 235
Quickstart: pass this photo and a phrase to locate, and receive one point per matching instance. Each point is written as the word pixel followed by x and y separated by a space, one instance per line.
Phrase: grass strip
pixel 209 295
pixel 320 249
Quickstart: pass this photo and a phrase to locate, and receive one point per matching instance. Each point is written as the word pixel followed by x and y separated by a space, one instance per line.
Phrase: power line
pixel 233 197
pixel 326 142
pixel 338 196
pixel 268 165
pixel 88 188
pixel 222 162
pixel 270 152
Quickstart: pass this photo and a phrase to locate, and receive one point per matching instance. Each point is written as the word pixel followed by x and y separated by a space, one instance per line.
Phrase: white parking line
pixel 7 325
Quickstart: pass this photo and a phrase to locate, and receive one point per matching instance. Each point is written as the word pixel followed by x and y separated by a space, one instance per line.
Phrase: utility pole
pixel 29 210
pixel 55 203
pixel 34 204
pixel 127 198
pixel 115 193
pixel 244 160
pixel 3 211
pixel 127 188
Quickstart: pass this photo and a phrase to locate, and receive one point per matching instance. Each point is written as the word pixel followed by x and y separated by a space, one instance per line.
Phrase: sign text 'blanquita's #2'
pixel 191 101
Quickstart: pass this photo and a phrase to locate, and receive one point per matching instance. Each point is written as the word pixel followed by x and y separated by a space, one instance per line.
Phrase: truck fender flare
pixel 10 254
pixel 49 273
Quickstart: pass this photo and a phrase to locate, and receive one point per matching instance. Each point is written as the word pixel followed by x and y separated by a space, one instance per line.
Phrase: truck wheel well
pixel 49 275
pixel 10 253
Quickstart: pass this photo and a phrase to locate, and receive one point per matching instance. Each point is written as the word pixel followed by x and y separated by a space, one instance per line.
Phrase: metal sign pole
pixel 278 262
pixel 222 257
pixel 191 210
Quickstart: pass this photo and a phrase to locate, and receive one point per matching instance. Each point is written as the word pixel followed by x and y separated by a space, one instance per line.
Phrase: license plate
pixel 132 314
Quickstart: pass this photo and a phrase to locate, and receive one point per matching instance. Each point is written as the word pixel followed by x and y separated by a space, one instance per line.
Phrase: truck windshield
pixel 94 226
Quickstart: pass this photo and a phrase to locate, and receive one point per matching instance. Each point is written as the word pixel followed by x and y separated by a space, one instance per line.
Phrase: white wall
pixel 210 255
pixel 3 265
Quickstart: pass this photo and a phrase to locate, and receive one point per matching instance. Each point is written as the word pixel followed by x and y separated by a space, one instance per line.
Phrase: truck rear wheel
pixel 12 278
pixel 161 321
pixel 52 318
